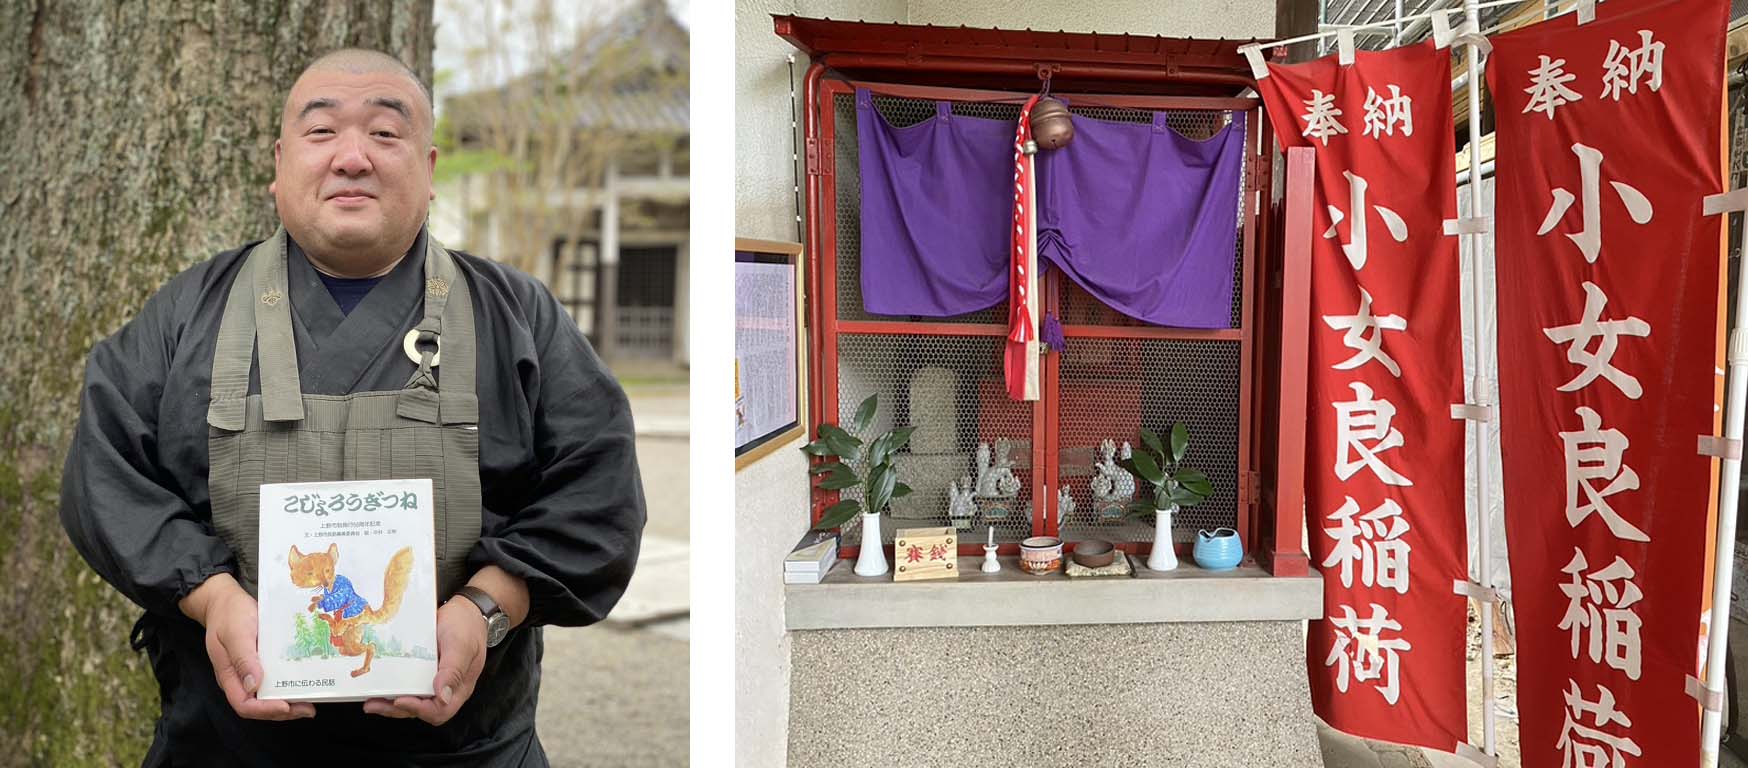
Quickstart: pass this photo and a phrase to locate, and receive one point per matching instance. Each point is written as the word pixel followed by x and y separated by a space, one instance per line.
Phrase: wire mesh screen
pixel 1110 388
pixel 951 390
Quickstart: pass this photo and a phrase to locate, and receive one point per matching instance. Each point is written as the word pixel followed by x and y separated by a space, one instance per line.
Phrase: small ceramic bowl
pixel 1094 554
pixel 1040 555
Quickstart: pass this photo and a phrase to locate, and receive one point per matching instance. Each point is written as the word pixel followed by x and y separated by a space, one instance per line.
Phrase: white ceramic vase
pixel 1164 556
pixel 871 561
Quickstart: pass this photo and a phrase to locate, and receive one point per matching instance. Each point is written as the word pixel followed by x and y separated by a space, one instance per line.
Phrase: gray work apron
pixel 284 436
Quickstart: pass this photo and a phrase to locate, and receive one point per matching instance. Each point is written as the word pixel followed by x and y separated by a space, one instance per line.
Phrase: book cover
pixel 824 564
pixel 813 547
pixel 347 590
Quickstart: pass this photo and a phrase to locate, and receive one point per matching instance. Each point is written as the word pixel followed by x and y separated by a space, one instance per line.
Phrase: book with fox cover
pixel 347 590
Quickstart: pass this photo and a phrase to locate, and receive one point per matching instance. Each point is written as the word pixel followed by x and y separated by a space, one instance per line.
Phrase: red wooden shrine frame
pixel 1270 499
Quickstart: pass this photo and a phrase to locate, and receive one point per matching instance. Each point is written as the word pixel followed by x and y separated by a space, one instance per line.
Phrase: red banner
pixel 1384 474
pixel 1609 137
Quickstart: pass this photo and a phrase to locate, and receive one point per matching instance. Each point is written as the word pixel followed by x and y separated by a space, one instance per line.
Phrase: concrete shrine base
pixel 1231 691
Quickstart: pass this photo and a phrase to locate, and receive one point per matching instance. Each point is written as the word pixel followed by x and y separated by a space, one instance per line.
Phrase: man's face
pixel 353 163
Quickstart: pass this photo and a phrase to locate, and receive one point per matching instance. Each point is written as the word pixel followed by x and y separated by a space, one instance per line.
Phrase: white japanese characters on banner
pixel 1609 349
pixel 1384 475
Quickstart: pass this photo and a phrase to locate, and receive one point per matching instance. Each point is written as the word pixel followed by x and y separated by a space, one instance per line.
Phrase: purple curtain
pixel 1142 218
pixel 936 200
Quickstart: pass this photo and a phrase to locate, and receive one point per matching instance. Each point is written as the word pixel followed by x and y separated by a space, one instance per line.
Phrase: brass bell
pixel 1052 127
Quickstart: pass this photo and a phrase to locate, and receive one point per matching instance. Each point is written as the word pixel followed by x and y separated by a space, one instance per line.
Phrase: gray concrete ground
pixel 617 693
pixel 612 696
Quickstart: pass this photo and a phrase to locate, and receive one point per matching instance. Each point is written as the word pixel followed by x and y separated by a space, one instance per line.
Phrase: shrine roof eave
pixel 1003 59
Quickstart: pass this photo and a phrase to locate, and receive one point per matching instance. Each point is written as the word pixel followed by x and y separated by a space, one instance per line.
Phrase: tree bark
pixel 136 139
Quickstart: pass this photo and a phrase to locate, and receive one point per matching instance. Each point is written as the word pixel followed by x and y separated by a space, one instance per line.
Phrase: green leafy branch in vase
pixel 854 463
pixel 1173 485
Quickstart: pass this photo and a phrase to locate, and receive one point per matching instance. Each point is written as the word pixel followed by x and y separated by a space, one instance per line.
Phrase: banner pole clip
pixel 1720 447
pixel 1725 202
pixel 1441 29
pixel 1471 412
pixel 1470 34
pixel 1476 591
pixel 1259 69
pixel 1586 11
pixel 1475 225
pixel 1710 699
pixel 1344 47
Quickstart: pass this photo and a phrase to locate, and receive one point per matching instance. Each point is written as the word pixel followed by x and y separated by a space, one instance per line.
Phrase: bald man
pixel 349 345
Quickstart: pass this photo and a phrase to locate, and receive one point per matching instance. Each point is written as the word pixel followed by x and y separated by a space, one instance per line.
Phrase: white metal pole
pixel 1723 571
pixel 1327 31
pixel 1322 16
pixel 1480 386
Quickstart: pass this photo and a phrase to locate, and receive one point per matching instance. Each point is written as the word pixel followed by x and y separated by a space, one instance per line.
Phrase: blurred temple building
pixel 576 172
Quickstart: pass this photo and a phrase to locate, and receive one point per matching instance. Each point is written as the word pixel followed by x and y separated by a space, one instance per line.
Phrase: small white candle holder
pixel 989 562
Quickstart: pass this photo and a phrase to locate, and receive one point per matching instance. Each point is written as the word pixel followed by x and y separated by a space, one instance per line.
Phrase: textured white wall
pixel 1174 18
pixel 771 495
pixel 770 500
pixel 764 176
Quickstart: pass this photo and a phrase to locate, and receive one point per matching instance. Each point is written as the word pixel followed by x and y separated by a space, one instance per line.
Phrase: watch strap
pixel 487 606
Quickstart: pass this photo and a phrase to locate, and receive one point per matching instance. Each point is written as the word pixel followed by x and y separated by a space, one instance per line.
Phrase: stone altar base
pixel 1196 695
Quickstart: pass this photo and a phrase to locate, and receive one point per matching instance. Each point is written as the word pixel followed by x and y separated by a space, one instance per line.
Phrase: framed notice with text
pixel 769 368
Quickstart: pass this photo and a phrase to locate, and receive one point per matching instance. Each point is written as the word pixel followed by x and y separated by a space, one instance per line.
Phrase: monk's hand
pixel 229 615
pixel 461 655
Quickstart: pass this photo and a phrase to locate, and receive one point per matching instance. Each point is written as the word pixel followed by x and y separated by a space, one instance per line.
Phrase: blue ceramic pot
pixel 1218 550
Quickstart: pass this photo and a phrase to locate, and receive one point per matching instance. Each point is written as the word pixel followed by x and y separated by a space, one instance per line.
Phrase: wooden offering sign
pixel 925 553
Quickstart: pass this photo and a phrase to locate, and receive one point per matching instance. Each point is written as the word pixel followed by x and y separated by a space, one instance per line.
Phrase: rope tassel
pixel 1052 333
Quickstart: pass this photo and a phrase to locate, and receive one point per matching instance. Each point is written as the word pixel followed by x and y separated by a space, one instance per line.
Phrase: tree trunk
pixel 136 139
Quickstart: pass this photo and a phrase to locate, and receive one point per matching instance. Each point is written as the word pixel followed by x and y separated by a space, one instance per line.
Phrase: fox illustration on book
pixel 345 611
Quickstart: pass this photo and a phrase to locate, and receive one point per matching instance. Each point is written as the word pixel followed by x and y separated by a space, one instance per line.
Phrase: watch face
pixel 496 627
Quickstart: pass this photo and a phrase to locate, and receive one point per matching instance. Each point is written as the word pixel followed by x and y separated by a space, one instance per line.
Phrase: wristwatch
pixel 497 624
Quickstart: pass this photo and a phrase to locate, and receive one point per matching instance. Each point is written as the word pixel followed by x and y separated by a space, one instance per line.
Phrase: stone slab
pixel 1012 597
pixel 934 411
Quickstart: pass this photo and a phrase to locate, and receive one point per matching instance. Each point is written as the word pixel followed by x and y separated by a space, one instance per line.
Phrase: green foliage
pixel 1173 485
pixel 846 453
pixel 455 161
pixel 310 639
pixel 386 645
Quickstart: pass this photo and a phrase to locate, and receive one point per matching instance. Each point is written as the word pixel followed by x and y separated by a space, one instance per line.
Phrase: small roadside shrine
pixel 1154 299
pixel 1147 297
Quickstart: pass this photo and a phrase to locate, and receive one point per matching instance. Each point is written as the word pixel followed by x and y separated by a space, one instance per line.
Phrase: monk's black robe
pixel 563 504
